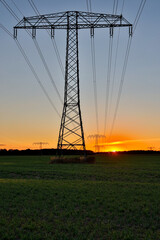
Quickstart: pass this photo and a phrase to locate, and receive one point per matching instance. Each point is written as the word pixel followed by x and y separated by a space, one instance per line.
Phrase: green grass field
pixel 116 198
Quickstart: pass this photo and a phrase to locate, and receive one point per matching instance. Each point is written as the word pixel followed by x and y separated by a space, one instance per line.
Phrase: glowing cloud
pixel 129 141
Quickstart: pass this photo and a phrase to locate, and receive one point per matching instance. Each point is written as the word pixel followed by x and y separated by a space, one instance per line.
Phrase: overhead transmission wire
pixel 38 50
pixel 35 9
pixel 122 6
pixel 36 76
pixel 109 67
pixel 5 4
pixel 89 9
pixel 31 68
pixel 108 82
pixel 20 47
pixel 6 30
pixel 115 6
pixel 116 56
pixel 141 7
pixel 90 5
pixel 40 54
pixel 46 67
pixel 121 83
pixel 87 5
pixel 9 9
pixel 13 13
pixel 94 81
pixel 17 7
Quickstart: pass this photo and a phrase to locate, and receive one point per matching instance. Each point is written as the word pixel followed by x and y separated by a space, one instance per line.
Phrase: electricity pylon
pixel 71 134
pixel 96 137
pixel 40 144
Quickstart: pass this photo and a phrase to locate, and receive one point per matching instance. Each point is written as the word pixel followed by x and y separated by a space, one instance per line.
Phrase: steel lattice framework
pixel 71 134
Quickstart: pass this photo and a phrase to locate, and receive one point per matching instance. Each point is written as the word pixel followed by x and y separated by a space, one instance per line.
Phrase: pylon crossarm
pixel 60 21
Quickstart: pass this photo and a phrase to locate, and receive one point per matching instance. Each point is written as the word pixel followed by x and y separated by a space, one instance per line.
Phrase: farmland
pixel 115 198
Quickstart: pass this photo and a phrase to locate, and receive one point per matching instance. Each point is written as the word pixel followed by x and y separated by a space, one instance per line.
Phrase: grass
pixel 115 198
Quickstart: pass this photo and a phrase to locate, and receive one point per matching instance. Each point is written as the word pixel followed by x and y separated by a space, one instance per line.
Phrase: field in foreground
pixel 116 198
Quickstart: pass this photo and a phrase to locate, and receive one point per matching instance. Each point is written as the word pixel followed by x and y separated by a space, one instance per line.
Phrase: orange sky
pixel 120 144
pixel 127 145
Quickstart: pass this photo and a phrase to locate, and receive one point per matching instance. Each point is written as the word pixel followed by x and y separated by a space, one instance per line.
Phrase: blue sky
pixel 27 116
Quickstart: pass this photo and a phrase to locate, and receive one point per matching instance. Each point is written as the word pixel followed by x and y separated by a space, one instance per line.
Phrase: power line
pixel 31 68
pixel 29 63
pixel 139 12
pixel 89 5
pixel 39 51
pixel 115 6
pixel 17 7
pixel 10 10
pixel 94 81
pixel 114 3
pixel 47 69
pixel 121 83
pixel 108 82
pixel 35 9
pixel 114 70
pixel 6 30
pixel 108 98
pixel 122 6
pixel 115 62
pixel 13 13
pixel 58 57
pixel 36 76
pixel 141 7
pixel 89 9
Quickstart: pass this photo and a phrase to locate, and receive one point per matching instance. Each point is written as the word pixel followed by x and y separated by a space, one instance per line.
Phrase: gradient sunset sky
pixel 26 116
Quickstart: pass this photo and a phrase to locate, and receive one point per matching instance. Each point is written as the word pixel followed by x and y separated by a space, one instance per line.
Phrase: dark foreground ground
pixel 116 198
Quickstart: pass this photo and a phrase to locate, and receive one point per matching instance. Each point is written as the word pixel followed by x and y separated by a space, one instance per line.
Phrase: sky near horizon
pixel 26 116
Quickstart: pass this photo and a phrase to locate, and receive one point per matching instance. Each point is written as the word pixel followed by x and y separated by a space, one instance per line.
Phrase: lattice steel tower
pixel 71 134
